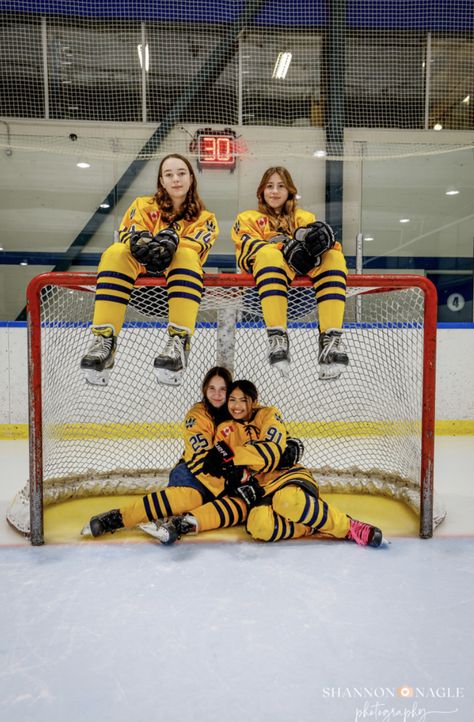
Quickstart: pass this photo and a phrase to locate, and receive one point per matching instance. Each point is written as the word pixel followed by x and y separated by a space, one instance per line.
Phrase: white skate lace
pixel 100 347
pixel 174 348
pixel 278 342
pixel 330 343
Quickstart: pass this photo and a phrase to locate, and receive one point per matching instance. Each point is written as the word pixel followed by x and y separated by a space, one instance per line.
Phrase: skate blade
pixel 150 528
pixel 283 368
pixel 330 371
pixel 97 378
pixel 169 378
pixel 86 530
pixel 157 530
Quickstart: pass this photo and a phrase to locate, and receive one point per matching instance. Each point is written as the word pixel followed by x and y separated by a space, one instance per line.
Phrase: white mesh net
pixel 361 432
pixel 130 71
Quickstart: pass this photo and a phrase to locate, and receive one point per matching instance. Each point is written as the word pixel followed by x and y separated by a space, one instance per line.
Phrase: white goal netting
pixel 144 68
pixel 361 433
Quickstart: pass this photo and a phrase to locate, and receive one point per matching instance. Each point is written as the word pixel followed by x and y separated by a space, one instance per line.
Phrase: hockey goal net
pixel 371 431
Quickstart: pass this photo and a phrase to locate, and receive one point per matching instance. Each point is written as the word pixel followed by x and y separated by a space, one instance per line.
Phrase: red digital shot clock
pixel 215 148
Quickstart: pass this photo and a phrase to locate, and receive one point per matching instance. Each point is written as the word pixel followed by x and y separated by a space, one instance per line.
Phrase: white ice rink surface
pixel 305 631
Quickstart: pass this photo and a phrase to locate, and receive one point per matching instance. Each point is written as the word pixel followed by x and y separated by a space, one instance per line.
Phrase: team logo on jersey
pixel 210 225
pixel 190 421
pixel 261 221
pixel 237 226
pixel 227 430
pixel 154 216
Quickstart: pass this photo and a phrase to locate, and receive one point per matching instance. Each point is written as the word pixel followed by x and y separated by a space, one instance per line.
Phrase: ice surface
pixel 303 631
pixel 232 632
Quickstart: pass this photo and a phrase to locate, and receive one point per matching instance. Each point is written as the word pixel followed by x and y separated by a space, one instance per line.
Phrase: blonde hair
pixel 192 205
pixel 285 220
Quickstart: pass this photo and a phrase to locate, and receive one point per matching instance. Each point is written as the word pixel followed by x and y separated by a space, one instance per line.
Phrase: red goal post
pixel 371 431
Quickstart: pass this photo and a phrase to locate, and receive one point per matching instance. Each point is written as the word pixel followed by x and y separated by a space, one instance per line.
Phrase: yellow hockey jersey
pixel 258 443
pixel 144 215
pixel 252 230
pixel 198 434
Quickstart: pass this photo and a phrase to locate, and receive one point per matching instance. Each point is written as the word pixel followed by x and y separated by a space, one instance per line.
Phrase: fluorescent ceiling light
pixel 282 65
pixel 437 126
pixel 82 164
pixel 147 56
pixel 452 192
pixel 404 220
pixel 319 153
pixel 368 238
pixel 105 205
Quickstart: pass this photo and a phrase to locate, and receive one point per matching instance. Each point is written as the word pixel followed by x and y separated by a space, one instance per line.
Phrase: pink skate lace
pixel 359 532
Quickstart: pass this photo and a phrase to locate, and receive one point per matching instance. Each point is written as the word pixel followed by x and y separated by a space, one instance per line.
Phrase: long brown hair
pixel 285 220
pixel 192 205
pixel 217 414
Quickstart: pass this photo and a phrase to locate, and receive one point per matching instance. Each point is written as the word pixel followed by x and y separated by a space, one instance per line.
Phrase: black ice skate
pixel 109 521
pixel 279 350
pixel 98 362
pixel 171 364
pixel 332 358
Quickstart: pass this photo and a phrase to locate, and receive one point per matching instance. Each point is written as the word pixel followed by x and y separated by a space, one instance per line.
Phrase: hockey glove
pixel 217 458
pixel 163 252
pixel 139 245
pixel 293 453
pixel 251 491
pixel 317 238
pixel 303 252
pixel 154 252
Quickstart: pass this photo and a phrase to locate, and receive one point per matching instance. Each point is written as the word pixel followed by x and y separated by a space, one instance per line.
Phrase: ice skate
pixel 109 521
pixel 169 531
pixel 279 351
pixel 98 362
pixel 170 365
pixel 364 534
pixel 332 358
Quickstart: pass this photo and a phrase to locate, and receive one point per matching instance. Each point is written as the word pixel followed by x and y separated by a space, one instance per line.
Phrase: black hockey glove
pixel 251 491
pixel 139 245
pixel 220 456
pixel 167 242
pixel 317 238
pixel 293 453
pixel 154 252
pixel 303 252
